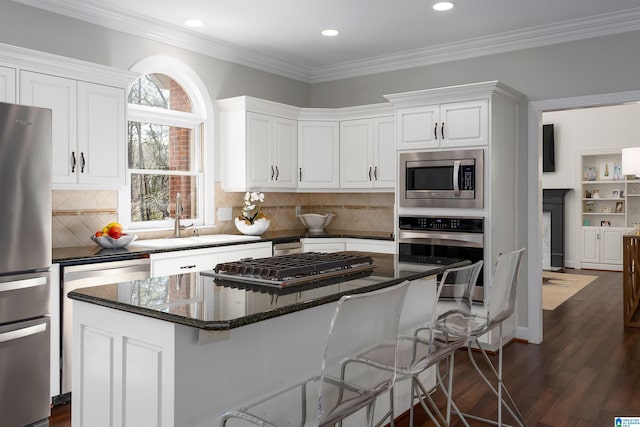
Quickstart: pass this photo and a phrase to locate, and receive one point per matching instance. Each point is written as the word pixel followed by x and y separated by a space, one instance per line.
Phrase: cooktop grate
pixel 283 267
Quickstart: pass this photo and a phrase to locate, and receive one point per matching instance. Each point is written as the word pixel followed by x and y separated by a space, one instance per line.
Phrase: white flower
pixel 251 209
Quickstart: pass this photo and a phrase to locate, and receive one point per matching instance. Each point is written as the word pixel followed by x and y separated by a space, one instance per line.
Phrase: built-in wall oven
pixel 441 240
pixel 442 179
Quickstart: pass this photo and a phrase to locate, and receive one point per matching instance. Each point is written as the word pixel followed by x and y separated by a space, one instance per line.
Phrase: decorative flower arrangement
pixel 252 205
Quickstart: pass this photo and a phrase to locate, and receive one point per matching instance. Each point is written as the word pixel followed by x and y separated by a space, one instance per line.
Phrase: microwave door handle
pixel 456 183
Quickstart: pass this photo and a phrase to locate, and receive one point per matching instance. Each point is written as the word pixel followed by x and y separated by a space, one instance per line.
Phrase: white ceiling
pixel 283 36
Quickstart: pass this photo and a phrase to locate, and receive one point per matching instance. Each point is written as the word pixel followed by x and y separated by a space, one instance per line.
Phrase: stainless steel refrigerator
pixel 25 260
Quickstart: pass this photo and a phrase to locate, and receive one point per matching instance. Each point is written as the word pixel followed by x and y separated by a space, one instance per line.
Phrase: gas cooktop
pixel 293 269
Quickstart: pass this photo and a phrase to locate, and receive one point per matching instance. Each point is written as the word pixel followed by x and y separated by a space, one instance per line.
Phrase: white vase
pixel 258 227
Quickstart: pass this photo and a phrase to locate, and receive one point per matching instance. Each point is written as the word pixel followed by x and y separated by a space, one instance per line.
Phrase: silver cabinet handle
pixel 300 174
pixel 186 267
pixel 82 163
pixel 23 284
pixel 73 162
pixel 272 172
pixel 435 131
pixel 24 332
pixel 375 173
pixel 277 173
pixel 369 173
pixel 442 130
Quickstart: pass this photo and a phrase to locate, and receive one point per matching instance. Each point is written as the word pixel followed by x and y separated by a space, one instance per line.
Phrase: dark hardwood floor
pixel 586 371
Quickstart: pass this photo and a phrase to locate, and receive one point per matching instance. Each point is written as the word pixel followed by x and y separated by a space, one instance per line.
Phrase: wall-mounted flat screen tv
pixel 548 149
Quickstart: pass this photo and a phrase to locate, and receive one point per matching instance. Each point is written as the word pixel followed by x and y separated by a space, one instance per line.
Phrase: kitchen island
pixel 177 350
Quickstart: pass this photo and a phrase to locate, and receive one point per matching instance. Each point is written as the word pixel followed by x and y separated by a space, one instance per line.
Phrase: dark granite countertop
pixel 202 302
pixel 94 253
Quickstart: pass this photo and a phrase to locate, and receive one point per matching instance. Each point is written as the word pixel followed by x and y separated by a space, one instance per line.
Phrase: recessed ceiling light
pixel 443 5
pixel 193 23
pixel 330 33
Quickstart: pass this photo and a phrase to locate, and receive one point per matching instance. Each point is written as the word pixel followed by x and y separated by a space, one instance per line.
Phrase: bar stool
pixel 500 305
pixel 363 325
pixel 420 346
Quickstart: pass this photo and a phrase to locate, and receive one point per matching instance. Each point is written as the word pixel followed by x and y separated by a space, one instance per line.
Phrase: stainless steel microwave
pixel 445 179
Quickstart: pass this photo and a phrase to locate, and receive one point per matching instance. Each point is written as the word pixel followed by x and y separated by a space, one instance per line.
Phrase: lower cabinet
pixel 194 260
pixel 602 247
pixel 336 244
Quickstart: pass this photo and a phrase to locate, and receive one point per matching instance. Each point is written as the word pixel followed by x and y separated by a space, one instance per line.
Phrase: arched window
pixel 166 156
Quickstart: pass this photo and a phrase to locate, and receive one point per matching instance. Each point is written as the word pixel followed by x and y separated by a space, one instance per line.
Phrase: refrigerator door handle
pixel 24 332
pixel 24 284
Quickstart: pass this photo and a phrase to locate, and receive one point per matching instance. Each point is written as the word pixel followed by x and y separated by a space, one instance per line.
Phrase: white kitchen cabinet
pixel 259 143
pixel 201 259
pixel 318 154
pixel 321 244
pixel 272 147
pixel 7 84
pixel 337 244
pixel 88 129
pixel 367 153
pixel 455 124
pixel 602 247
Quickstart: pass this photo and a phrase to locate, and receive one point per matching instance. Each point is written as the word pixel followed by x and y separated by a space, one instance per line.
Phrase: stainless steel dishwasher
pixel 83 276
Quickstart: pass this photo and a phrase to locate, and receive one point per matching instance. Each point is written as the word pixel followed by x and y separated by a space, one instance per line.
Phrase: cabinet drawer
pixel 184 263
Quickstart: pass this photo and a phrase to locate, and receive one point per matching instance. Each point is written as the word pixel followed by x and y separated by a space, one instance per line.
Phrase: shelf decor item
pixel 595 194
pixel 252 221
pixel 605 170
pixel 589 174
pixel 617 173
pixel 619 207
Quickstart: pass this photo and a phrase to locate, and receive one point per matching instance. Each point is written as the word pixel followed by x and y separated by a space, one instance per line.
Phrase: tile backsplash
pixel 77 214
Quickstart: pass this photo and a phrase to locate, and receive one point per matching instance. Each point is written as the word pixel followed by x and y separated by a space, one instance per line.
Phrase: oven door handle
pixel 452 239
pixel 456 183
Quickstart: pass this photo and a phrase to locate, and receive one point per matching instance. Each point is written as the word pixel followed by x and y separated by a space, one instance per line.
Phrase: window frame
pixel 200 120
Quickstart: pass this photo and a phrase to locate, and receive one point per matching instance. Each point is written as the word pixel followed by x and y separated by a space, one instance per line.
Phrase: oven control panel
pixel 430 223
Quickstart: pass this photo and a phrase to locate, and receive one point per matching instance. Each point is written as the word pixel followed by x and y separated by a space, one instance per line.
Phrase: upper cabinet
pixel 456 124
pixel 88 129
pixel 272 146
pixel 318 154
pixel 368 153
pixel 259 144
pixel 88 102
pixel 7 84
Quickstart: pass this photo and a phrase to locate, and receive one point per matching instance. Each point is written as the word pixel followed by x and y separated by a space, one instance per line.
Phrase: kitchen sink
pixel 177 242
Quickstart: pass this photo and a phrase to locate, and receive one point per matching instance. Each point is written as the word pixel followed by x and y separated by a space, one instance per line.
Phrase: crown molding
pixel 143 26
pixel 579 29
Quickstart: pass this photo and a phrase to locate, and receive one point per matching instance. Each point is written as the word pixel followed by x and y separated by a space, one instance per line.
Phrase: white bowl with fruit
pixel 112 237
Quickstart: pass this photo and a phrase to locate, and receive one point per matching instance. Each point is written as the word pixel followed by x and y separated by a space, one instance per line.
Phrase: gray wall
pixel 586 67
pixel 43 31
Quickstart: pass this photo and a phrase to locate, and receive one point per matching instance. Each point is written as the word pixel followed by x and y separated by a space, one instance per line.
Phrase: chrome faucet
pixel 176 225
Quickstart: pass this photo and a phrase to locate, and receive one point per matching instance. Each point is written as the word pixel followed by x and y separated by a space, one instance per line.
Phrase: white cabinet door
pixel 285 152
pixel 272 144
pixel 101 135
pixel 58 94
pixel 417 127
pixel 88 129
pixel 591 244
pixel 456 124
pixel 7 85
pixel 384 152
pixel 260 163
pixel 611 245
pixel 318 154
pixel 464 124
pixel 356 154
